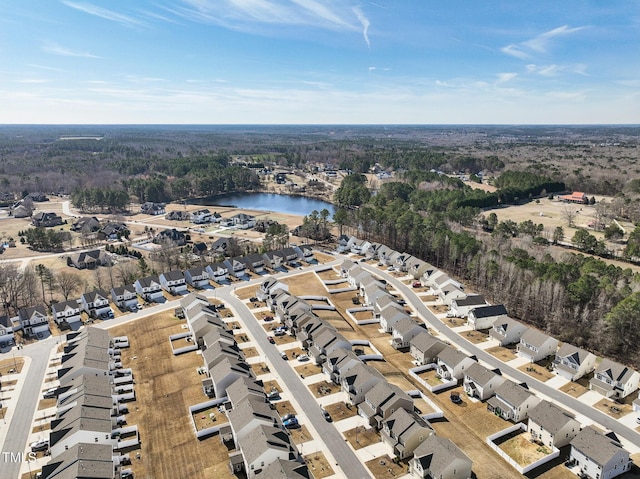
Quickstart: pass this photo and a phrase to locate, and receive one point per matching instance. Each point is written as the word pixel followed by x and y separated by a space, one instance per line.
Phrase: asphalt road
pixel 20 425
pixel 344 456
pixel 558 397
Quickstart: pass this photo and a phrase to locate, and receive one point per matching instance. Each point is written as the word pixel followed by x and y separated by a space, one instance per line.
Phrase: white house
pixel 6 332
pixel 149 289
pixel 460 307
pixel 424 348
pixel 197 277
pixel 263 446
pixel 480 382
pixel 438 457
pixel 598 456
pixel 404 331
pixel 34 321
pixel 507 331
pixel 404 431
pixel 125 297
pixel 67 313
pixel 217 272
pixel 173 282
pixel 551 426
pixel 572 363
pixel 452 364
pixel 236 267
pixel 483 317
pixel 96 304
pixel 534 345
pixel 614 380
pixel 512 402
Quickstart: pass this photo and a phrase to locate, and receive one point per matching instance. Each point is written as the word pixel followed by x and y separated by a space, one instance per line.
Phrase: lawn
pixel 166 386
pixel 318 465
pixel 323 388
pixel 360 437
pixel 384 468
pixel 523 451
pixel 502 353
pixel 538 371
pixel 339 411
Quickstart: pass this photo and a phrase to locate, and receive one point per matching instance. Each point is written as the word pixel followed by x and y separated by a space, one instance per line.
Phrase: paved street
pixel 558 397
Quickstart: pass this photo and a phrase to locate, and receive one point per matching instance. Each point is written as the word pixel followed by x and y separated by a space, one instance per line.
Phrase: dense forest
pixel 577 298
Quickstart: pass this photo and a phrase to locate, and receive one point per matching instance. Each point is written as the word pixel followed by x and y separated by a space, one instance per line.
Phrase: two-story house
pixel 424 348
pixel 480 382
pixel 512 402
pixel 552 426
pixel 438 457
pixel 403 332
pixel 483 317
pixel 125 297
pixel 173 282
pixel 572 363
pixel 96 304
pixel 150 289
pixel 66 314
pixel 598 456
pixel 197 277
pixel 381 401
pixel 217 272
pixel 7 338
pixel 460 307
pixel 452 364
pixel 507 331
pixel 34 321
pixel 359 380
pixel 236 267
pixel 404 431
pixel 614 380
pixel 45 220
pixel 534 345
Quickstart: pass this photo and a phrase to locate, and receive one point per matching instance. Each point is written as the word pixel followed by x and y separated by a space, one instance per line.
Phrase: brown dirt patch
pixel 250 352
pixel 323 388
pixel 246 292
pixel 166 386
pixel 362 315
pixel 329 274
pixel 360 437
pixel 541 373
pixel 272 385
pixel 308 369
pixel 454 322
pixel 305 284
pixel 521 450
pixel 613 409
pixel 260 368
pixel 502 353
pixel 300 434
pixel 46 403
pixel 285 407
pixel 429 298
pixel 318 465
pixel 208 418
pixel 475 336
pixel 574 389
pixel 339 411
pixel 384 468
pixel 8 364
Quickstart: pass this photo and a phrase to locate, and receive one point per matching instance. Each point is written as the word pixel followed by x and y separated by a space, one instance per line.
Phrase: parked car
pixel 455 398
pixel 326 415
pixel 303 357
pixel 50 393
pixel 288 416
pixel 126 474
pixel 40 445
pixel 268 318
pixel 401 302
pixel 253 300
pixel 355 300
pixel 271 340
pixel 417 284
pixel 273 396
pixel 291 423
pixel 284 356
pixel 391 268
pixel 278 332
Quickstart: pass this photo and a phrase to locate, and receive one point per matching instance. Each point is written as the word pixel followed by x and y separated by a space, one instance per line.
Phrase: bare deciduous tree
pixel 68 283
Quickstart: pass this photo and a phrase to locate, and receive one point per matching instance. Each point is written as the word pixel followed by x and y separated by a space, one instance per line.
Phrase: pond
pixel 291 205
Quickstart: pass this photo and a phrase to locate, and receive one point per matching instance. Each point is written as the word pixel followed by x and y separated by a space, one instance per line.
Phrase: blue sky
pixel 320 61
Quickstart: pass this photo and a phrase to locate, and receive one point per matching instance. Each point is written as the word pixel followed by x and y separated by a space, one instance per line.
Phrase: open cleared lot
pixel 166 386
pixel 360 437
pixel 272 385
pixel 451 322
pixel 384 468
pixel 523 451
pixel 319 465
pixel 339 411
pixel 502 353
pixel 540 372
pixel 285 407
pixel 12 364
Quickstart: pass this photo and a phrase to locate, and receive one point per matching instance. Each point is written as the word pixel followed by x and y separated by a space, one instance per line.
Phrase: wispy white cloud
pixel 555 70
pixel 365 24
pixel 33 80
pixel 505 77
pixel 538 44
pixel 104 13
pixel 55 49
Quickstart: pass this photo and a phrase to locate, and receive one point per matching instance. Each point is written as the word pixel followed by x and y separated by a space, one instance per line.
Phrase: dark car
pixel 271 340
pixel 455 398
pixel 326 415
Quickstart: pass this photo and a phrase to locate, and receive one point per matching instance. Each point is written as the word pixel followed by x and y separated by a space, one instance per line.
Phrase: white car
pixel 303 357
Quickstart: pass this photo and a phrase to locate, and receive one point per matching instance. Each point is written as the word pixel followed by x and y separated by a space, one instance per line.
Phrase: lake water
pixel 292 205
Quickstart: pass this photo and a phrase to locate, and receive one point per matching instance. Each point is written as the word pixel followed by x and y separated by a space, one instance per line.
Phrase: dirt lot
pixel 612 408
pixel 319 465
pixel 323 388
pixel 300 434
pixel 502 353
pixel 166 386
pixel 523 451
pixel 574 389
pixel 9 364
pixel 452 322
pixel 308 369
pixel 384 468
pixel 272 385
pixel 360 437
pixel 476 336
pixel 285 407
pixel 540 372
pixel 208 418
pixel 305 284
pixel 339 411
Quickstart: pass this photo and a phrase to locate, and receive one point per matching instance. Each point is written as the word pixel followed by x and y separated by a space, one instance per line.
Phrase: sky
pixel 319 62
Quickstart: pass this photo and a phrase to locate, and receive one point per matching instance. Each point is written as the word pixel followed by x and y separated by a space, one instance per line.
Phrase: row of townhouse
pixel 384 406
pixel 262 447
pixel 89 428
pixel 611 379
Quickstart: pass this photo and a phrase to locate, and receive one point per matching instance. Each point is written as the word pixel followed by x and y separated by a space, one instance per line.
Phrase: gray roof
pixel 405 325
pixel 98 294
pixel 120 290
pixel 403 423
pixel 550 416
pixel 424 342
pixel 508 324
pixel 451 357
pixel 61 306
pixel 513 393
pixel 281 469
pixel 616 371
pixel 243 387
pixel 86 460
pixel 471 300
pixel 596 446
pixel 80 418
pixel 263 438
pixel 569 350
pixel 435 454
pixel 249 409
pixel 174 275
pixel 148 281
pixel 479 374
pixel 534 337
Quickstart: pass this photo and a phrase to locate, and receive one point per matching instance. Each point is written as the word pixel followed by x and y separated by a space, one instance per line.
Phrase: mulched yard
pixel 384 468
pixel 502 353
pixel 339 411
pixel 541 373
pixel 323 388
pixel 365 437
pixel 319 465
